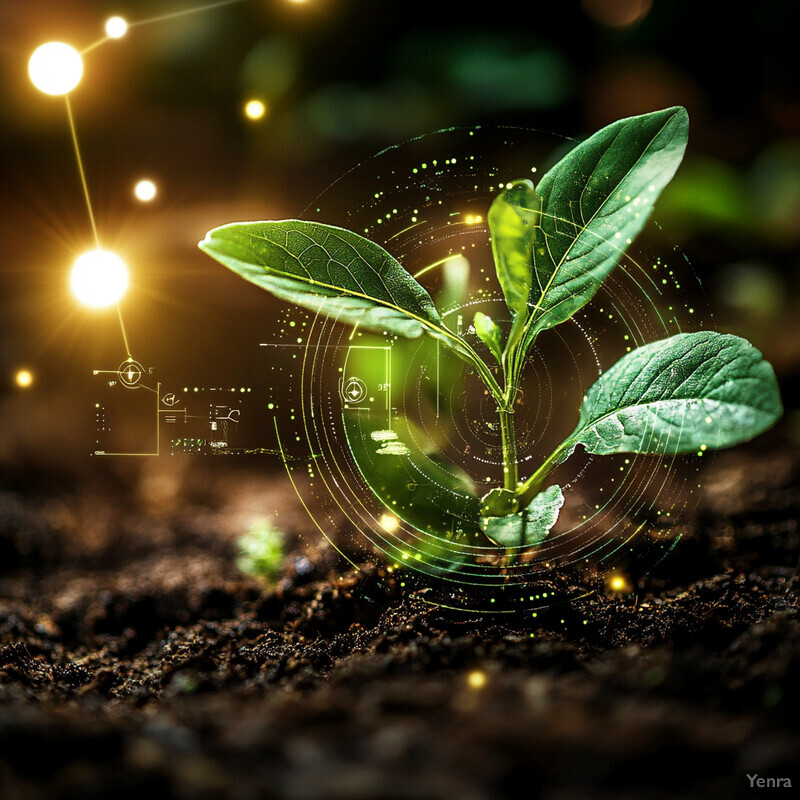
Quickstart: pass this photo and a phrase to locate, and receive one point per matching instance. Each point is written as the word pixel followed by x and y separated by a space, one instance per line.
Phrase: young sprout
pixel 553 246
pixel 261 551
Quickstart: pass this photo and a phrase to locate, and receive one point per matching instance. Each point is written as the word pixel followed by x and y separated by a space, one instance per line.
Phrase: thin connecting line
pixel 81 170
pixel 89 208
pixel 161 18
pixel 124 335
pixel 96 44
pixel 84 184
pixel 183 13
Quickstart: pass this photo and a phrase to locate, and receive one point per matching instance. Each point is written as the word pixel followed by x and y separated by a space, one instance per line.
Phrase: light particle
pixel 116 27
pixel 255 109
pixel 55 68
pixel 99 278
pixel 24 378
pixel 476 679
pixel 145 190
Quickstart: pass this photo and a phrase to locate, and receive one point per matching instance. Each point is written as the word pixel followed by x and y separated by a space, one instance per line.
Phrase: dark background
pixel 342 80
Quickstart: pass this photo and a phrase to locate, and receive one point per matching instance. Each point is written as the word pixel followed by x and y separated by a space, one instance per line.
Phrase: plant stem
pixel 530 488
pixel 508 433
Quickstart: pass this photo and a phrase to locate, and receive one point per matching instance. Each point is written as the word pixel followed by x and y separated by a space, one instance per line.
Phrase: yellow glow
pixel 55 68
pixel 99 278
pixel 145 190
pixel 24 378
pixel 116 27
pixel 473 219
pixel 476 679
pixel 389 523
pixel 617 583
pixel 255 109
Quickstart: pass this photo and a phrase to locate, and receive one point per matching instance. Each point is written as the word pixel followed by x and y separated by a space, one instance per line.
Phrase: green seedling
pixel 261 552
pixel 553 246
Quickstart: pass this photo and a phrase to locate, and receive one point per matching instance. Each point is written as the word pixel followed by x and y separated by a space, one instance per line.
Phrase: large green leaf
pixel 686 393
pixel 512 219
pixel 527 528
pixel 593 203
pixel 335 272
pixel 325 268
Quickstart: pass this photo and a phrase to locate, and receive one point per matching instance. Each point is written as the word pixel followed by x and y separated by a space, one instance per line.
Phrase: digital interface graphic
pixel 335 404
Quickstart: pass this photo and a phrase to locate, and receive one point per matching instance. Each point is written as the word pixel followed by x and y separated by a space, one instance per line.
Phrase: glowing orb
pixel 23 378
pixel 55 68
pixel 255 109
pixel 476 679
pixel 389 522
pixel 145 190
pixel 617 583
pixel 116 27
pixel 99 278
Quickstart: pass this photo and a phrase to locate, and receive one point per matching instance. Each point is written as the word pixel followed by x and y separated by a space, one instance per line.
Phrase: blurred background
pixel 335 82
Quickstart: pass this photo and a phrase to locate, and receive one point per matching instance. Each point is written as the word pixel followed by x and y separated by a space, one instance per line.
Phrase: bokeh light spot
pixel 99 278
pixel 617 583
pixel 55 68
pixel 116 27
pixel 255 109
pixel 145 190
pixel 476 679
pixel 24 378
pixel 389 523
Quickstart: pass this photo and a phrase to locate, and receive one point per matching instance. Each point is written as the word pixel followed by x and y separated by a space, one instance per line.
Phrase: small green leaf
pixel 687 393
pixel 512 220
pixel 593 203
pixel 526 528
pixel 488 332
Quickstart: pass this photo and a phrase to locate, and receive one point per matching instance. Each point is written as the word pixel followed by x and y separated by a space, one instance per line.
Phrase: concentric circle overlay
pixel 388 436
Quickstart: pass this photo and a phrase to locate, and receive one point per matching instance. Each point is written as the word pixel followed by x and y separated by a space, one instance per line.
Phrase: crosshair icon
pixel 354 391
pixel 130 373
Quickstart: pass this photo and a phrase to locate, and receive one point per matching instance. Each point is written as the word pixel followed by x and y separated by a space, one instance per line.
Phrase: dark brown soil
pixel 145 665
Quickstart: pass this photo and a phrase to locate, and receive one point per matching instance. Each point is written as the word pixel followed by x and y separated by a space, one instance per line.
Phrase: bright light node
pixel 617 583
pixel 255 109
pixel 145 190
pixel 116 27
pixel 24 378
pixel 389 523
pixel 55 68
pixel 476 679
pixel 99 278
